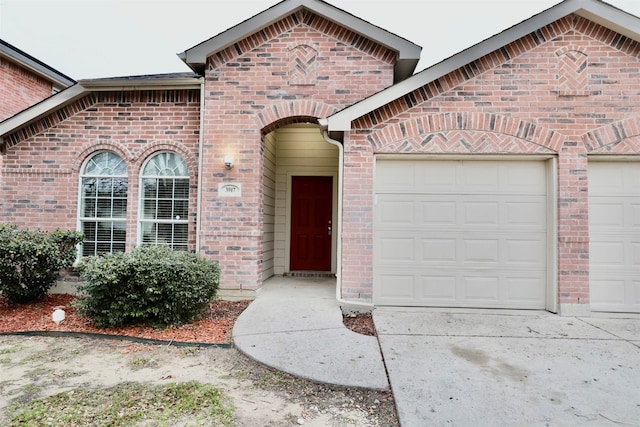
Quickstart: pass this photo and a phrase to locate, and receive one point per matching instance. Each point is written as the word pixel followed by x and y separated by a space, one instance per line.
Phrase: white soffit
pixel 595 10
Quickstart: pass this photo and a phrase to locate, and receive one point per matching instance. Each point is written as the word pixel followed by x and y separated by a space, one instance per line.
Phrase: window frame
pixel 141 203
pixel 82 200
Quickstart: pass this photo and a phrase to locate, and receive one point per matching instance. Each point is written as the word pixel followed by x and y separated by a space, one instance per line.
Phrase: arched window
pixel 103 204
pixel 165 201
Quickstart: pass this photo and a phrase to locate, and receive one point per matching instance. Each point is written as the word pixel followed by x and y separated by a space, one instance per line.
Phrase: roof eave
pixel 82 88
pixel 595 10
pixel 58 80
pixel 127 84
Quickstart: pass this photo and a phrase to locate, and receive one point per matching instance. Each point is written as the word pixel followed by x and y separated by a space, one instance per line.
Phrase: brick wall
pixel 568 89
pixel 300 69
pixel 20 88
pixel 43 162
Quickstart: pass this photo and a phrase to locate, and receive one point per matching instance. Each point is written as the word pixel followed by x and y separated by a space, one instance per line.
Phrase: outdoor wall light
pixel 228 162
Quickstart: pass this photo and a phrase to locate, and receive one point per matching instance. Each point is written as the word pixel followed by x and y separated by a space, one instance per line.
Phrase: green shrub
pixel 30 260
pixel 151 285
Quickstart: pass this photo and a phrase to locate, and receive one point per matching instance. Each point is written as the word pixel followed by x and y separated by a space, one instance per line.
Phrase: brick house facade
pixel 483 181
pixel 25 81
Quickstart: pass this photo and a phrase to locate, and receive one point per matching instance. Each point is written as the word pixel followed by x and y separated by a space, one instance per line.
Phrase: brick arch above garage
pixel 621 137
pixel 465 132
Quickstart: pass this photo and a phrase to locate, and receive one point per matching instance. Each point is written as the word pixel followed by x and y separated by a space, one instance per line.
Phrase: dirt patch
pixel 36 367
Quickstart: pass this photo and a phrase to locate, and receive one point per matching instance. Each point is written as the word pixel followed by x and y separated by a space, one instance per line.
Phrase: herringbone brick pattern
pixel 303 66
pixel 572 73
pixel 465 142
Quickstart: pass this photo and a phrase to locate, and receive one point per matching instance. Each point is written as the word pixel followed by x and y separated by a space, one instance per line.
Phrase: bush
pixel 30 260
pixel 151 285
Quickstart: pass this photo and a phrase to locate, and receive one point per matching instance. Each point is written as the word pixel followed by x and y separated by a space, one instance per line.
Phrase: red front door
pixel 311 225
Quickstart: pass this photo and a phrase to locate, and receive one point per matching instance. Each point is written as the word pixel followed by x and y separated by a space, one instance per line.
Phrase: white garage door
pixel 614 228
pixel 460 233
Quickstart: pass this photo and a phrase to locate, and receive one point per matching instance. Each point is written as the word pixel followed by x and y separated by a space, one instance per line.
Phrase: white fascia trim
pixel 124 84
pixel 595 10
pixel 57 79
pixel 42 108
pixel 198 54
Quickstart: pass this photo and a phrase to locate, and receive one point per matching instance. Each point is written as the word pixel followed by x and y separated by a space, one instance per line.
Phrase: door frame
pixel 334 216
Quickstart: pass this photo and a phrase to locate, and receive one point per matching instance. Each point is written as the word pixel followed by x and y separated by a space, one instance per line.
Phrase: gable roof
pixel 39 68
pixel 596 11
pixel 408 53
pixel 84 87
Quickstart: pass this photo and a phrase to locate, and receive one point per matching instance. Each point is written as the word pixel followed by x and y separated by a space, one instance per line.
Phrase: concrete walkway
pixel 454 367
pixel 295 325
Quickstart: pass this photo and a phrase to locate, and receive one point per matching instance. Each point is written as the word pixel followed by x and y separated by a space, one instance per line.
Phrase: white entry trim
pixel 552 235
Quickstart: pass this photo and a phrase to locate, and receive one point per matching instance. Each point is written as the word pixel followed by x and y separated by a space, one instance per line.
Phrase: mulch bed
pixel 361 323
pixel 215 328
pixel 36 316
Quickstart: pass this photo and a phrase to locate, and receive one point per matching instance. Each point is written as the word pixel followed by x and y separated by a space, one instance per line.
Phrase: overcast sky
pixel 107 38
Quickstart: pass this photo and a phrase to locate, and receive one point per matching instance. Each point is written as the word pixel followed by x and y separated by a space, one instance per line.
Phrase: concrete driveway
pixel 497 368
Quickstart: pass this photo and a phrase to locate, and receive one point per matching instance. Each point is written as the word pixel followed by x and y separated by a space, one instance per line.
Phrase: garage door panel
pixel 483 291
pixel 396 287
pixel 479 176
pixel 608 291
pixel 635 260
pixel 470 211
pixel 439 250
pixel 614 178
pixel 438 213
pixel 529 252
pixel 460 177
pixel 480 251
pixel 440 289
pixel 476 213
pixel 394 178
pixel 478 235
pixel 607 253
pixel 394 212
pixel 615 295
pixel 525 213
pixel 396 249
pixel 607 215
pixel 614 228
pixel 451 288
pixel 527 291
pixel 524 179
pixel 524 251
pixel 440 178
pixel 635 216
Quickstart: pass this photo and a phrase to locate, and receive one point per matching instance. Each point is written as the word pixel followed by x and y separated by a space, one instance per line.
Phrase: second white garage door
pixel 614 227
pixel 460 233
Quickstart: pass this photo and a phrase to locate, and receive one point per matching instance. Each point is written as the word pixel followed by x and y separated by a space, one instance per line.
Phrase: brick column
pixel 573 231
pixel 357 220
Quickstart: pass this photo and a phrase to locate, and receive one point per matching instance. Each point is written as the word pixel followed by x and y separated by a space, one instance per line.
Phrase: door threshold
pixel 322 274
